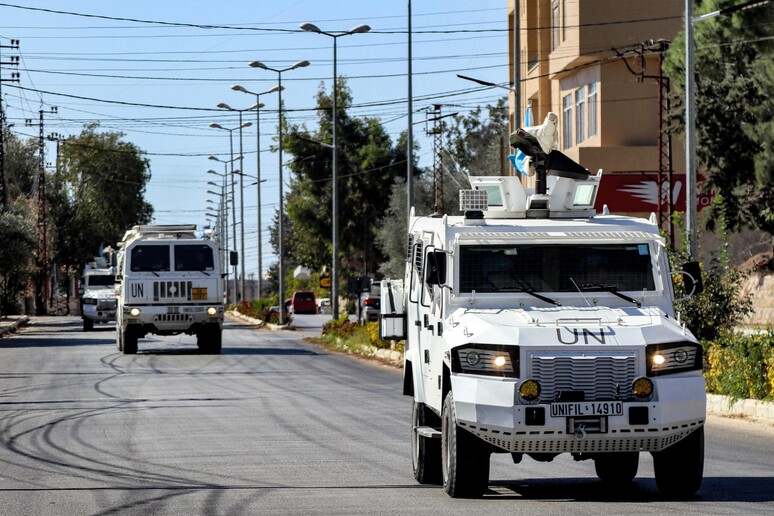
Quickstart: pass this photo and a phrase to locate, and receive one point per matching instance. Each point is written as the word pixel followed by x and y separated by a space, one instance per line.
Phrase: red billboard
pixel 639 192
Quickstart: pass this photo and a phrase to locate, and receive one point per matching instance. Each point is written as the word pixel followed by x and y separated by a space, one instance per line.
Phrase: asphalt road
pixel 278 426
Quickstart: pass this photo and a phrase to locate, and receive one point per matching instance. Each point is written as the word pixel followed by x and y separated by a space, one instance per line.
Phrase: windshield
pixel 555 268
pixel 193 257
pixel 150 258
pixel 101 280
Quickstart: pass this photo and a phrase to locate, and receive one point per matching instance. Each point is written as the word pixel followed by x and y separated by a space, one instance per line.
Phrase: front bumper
pixel 172 318
pixel 491 410
pixel 98 313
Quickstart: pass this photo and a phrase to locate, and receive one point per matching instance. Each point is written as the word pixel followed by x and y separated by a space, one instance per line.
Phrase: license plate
pixel 193 309
pixel 587 408
pixel 199 294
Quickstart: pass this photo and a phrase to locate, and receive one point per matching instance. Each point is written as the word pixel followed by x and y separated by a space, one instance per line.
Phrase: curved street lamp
pixel 281 235
pixel 359 29
pixel 258 106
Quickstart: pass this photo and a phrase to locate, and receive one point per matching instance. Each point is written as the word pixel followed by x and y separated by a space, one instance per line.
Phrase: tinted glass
pixel 101 280
pixel 555 268
pixel 194 257
pixel 147 258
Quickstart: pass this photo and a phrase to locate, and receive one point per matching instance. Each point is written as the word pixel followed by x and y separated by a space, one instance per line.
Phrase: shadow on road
pixel 228 351
pixel 713 489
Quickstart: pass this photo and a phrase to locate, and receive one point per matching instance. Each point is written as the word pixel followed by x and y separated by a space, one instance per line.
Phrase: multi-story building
pixel 596 64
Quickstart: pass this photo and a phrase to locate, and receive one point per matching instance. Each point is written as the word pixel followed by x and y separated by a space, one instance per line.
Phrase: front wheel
pixel 209 339
pixel 464 460
pixel 88 324
pixel 617 468
pixel 425 452
pixel 679 469
pixel 129 339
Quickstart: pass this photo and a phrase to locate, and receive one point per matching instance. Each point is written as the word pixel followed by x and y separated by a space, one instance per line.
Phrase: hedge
pixel 741 366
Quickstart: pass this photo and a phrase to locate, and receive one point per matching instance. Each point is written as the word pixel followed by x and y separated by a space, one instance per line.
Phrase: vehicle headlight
pixel 212 310
pixel 486 359
pixel 134 312
pixel 89 301
pixel 675 357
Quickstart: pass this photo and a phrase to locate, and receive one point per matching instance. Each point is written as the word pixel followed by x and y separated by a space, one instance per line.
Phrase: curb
pixel 21 321
pixel 727 406
pixel 258 322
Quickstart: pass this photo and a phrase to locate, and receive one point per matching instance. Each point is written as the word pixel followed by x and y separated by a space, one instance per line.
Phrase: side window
pixel 149 258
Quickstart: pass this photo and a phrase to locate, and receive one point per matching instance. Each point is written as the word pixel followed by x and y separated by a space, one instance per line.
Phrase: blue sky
pixel 156 82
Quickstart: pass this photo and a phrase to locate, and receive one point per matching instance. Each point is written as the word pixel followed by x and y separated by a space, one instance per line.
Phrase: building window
pixel 554 24
pixel 564 20
pixel 567 122
pixel 592 109
pixel 580 114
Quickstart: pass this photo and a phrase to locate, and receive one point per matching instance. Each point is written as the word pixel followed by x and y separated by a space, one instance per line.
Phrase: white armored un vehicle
pixel 168 281
pixel 535 327
pixel 98 298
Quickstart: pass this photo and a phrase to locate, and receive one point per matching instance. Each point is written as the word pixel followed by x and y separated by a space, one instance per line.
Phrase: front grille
pixel 601 376
pixel 173 318
pixel 107 304
pixel 176 290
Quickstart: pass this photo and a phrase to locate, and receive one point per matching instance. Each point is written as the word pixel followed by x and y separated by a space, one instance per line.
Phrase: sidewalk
pixel 11 323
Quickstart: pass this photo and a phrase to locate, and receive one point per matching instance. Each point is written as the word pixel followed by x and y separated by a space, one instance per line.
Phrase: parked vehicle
pixel 533 326
pixel 369 308
pixel 324 306
pixel 98 293
pixel 303 302
pixel 169 282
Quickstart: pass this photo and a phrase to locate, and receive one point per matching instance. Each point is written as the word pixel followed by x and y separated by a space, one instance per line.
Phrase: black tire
pixel 129 339
pixel 464 459
pixel 679 469
pixel 209 339
pixel 88 324
pixel 425 452
pixel 617 469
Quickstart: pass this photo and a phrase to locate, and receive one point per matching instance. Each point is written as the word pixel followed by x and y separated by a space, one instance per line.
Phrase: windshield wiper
pixel 531 292
pixel 598 287
pixel 205 272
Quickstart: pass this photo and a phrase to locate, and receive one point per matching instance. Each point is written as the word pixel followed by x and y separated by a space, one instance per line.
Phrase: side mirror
pixel 233 258
pixel 435 268
pixel 692 278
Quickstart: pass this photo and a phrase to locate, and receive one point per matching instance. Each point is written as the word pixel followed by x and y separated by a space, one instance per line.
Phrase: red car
pixel 303 302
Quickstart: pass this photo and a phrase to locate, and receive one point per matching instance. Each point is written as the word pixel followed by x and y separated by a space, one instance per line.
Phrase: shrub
pixel 741 366
pixel 373 334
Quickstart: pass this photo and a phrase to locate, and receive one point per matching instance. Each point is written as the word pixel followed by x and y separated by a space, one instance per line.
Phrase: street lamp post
pixel 281 236
pixel 359 29
pixel 258 107
pixel 231 143
pixel 223 105
pixel 223 220
pixel 223 217
pixel 233 201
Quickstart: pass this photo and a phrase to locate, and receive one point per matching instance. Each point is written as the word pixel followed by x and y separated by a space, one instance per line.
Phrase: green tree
pixel 96 194
pixel 18 236
pixel 735 110
pixel 367 164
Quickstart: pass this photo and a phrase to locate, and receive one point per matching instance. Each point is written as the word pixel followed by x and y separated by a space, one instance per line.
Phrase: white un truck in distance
pixel 168 282
pixel 534 327
pixel 98 295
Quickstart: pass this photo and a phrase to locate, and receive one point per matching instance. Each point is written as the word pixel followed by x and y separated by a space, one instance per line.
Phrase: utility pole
pixel 41 258
pixel 435 132
pixel 665 168
pixel 12 61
